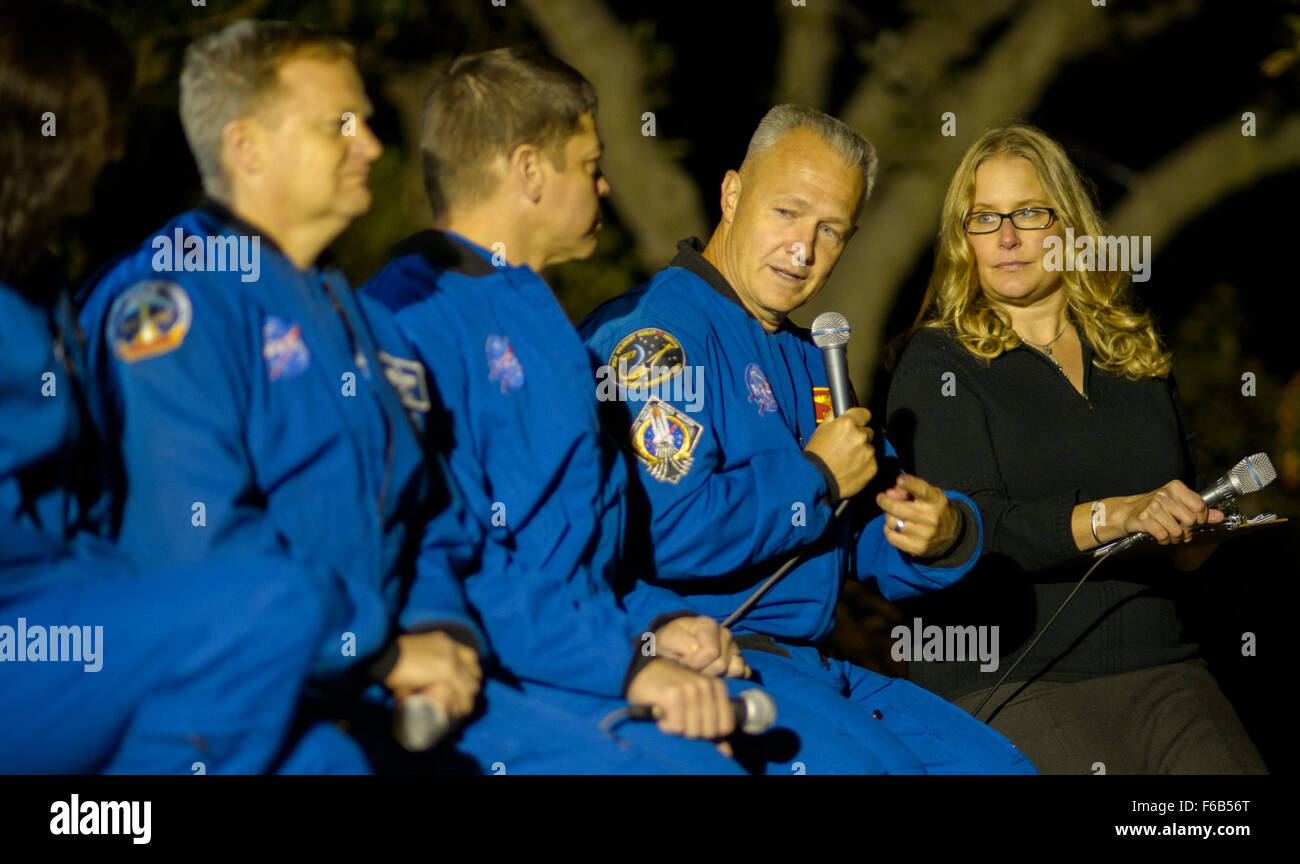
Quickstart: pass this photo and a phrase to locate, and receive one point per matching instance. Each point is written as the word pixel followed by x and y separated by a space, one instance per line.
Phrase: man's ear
pixel 730 195
pixel 242 149
pixel 525 170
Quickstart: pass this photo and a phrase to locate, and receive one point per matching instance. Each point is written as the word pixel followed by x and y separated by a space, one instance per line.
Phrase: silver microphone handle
pixel 419 723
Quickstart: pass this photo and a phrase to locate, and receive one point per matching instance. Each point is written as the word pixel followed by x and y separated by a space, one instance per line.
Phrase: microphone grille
pixel 419 723
pixel 1252 473
pixel 761 711
pixel 830 329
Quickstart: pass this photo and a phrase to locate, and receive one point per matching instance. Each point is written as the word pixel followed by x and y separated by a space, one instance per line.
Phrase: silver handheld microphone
pixel 760 711
pixel 830 333
pixel 1249 475
pixel 754 710
pixel 419 723
pixel 1246 477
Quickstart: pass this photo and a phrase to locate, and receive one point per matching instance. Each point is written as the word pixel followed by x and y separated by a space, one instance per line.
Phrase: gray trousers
pixel 1169 719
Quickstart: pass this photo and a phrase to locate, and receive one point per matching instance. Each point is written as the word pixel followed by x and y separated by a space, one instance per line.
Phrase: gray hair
pixel 232 72
pixel 839 136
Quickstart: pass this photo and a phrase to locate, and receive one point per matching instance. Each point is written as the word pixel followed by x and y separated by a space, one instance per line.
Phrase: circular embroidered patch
pixel 151 318
pixel 646 357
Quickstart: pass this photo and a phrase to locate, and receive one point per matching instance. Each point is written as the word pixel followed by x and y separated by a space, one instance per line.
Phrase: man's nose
pixel 804 247
pixel 602 186
pixel 367 144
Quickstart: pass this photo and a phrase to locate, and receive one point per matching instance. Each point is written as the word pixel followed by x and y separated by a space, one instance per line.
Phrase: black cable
pixel 781 571
pixel 612 719
pixel 1025 653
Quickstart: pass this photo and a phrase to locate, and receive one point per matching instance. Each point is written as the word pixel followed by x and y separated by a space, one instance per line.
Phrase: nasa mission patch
pixel 645 357
pixel 664 438
pixel 151 318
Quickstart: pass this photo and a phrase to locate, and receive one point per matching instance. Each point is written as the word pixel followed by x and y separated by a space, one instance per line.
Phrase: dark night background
pixel 1144 95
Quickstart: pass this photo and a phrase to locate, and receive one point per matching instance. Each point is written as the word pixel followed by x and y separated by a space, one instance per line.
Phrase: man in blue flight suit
pixel 529 453
pixel 750 471
pixel 104 667
pixel 263 408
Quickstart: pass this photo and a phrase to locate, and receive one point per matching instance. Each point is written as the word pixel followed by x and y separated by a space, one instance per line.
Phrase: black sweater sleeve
pixel 937 421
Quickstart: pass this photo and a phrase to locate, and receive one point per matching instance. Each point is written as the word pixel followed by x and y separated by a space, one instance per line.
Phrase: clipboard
pixel 1228 529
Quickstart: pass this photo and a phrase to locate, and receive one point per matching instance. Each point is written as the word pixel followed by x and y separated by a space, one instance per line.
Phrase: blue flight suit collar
pixel 221 212
pixel 448 251
pixel 690 257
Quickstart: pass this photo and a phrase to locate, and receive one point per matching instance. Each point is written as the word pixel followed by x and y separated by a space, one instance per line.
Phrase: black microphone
pixel 830 333
pixel 1246 477
pixel 419 723
pixel 755 711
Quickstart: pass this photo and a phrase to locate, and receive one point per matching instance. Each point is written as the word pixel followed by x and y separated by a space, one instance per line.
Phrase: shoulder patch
pixel 645 357
pixel 408 379
pixel 285 353
pixel 664 438
pixel 150 319
pixel 760 391
pixel 503 365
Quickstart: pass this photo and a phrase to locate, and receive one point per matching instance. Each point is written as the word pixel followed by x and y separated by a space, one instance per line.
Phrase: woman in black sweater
pixel 1043 394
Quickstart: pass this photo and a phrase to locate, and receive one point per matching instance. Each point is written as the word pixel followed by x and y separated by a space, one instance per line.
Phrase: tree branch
pixel 1216 163
pixel 657 201
pixel 807 53
pixel 900 225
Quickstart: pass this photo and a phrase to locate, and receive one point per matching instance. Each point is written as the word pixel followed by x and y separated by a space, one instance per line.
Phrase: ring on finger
pixel 898 526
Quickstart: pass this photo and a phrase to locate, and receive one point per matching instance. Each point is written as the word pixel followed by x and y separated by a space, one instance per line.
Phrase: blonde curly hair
pixel 1123 338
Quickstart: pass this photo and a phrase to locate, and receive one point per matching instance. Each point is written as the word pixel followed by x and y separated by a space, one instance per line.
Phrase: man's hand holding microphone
pixel 919 519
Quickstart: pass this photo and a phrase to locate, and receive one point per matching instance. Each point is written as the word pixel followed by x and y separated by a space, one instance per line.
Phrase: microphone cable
pixel 1025 653
pixel 743 608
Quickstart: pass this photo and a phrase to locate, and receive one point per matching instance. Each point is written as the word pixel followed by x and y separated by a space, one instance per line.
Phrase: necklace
pixel 1046 347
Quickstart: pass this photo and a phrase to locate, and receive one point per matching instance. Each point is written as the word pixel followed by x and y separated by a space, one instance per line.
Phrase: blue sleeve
pixel 898 574
pixel 646 602
pixel 542 626
pixel 449 542
pixel 449 548
pixel 188 489
pixel 719 515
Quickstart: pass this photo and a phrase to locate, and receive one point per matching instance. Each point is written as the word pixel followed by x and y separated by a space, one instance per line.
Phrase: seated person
pixel 734 485
pixel 106 666
pixel 1048 397
pixel 510 197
